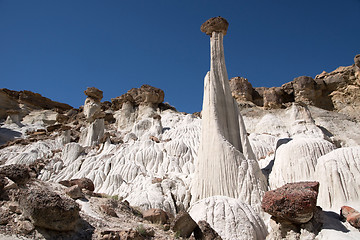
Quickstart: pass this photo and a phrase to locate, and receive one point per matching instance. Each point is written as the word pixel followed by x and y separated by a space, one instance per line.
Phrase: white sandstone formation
pixel 339 175
pixel 91 134
pixel 301 155
pixel 230 217
pixel 94 131
pixel 226 164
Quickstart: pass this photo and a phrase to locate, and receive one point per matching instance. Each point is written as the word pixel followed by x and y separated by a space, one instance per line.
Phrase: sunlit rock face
pixel 226 164
pixel 338 173
pixel 94 130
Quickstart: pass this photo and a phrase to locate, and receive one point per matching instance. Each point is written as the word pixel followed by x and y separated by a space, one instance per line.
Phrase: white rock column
pixel 226 164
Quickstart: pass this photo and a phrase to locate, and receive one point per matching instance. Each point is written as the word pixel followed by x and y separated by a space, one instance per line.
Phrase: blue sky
pixel 59 48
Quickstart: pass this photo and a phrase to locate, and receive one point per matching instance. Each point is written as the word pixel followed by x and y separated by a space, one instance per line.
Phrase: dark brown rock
pixel 18 173
pixel 293 202
pixel 53 128
pixel 108 209
pixel 74 192
pixel 35 99
pixel 83 183
pixel 94 93
pixel 183 224
pixel 273 97
pixel 145 95
pixel 116 103
pixel 155 215
pixel 205 232
pixel 215 24
pixel 49 210
pixel 61 118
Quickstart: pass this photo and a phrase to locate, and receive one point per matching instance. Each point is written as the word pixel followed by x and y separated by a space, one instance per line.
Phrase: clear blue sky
pixel 59 48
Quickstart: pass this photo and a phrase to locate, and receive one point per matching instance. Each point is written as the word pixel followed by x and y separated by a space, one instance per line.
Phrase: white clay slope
pixel 231 218
pixel 226 164
pixel 339 175
pixel 296 160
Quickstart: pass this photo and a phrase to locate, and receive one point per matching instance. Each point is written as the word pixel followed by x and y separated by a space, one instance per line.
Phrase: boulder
pixel 273 97
pixel 293 202
pixel 83 183
pixel 205 232
pixel 18 173
pixel 183 224
pixel 215 24
pixel 241 89
pixel 147 95
pixel 155 215
pixel 305 90
pixel 351 215
pixel 49 210
pixel 74 192
pixel 94 93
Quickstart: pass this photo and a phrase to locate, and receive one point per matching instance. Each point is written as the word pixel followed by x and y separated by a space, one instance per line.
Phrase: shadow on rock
pixel 332 221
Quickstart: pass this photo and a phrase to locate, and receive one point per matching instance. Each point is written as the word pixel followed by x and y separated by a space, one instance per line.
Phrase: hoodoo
pixel 226 164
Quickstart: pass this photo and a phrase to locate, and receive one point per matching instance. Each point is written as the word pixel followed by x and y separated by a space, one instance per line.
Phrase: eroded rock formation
pixel 226 164
pixel 229 217
pixel 94 131
pixel 338 173
pixel 337 90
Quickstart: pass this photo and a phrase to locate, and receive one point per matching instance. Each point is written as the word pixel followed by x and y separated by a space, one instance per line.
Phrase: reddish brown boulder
pixel 18 173
pixel 351 215
pixel 183 224
pixel 293 202
pixel 215 24
pixel 155 215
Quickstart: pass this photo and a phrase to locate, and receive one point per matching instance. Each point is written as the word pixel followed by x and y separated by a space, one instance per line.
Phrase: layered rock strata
pixel 226 164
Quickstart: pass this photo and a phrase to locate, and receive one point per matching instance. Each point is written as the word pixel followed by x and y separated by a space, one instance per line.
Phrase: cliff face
pixel 338 91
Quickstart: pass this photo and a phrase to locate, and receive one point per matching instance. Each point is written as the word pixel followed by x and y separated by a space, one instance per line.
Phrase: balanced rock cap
pixel 215 24
pixel 94 93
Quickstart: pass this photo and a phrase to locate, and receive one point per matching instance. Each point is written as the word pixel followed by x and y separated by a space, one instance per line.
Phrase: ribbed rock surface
pixel 229 217
pixel 338 173
pixel 226 164
pixel 296 160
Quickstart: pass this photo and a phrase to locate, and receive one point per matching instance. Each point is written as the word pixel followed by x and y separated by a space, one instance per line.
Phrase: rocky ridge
pixel 334 91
